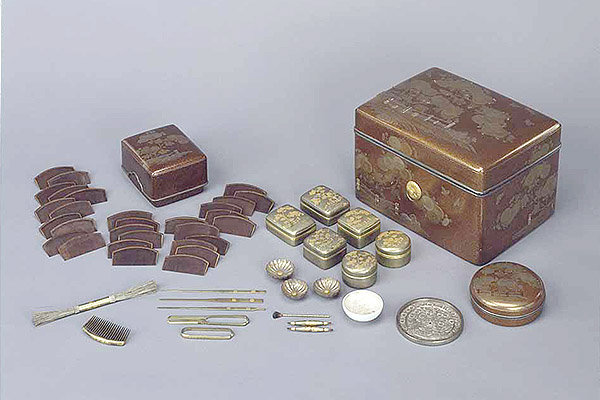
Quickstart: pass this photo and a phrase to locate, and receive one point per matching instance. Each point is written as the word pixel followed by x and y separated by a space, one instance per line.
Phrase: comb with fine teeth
pixel 106 332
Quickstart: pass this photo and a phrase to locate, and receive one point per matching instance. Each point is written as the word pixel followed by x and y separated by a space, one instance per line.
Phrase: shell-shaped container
pixel 290 224
pixel 507 294
pixel 280 268
pixel 324 204
pixel 393 249
pixel 294 289
pixel 324 248
pixel 327 287
pixel 359 269
pixel 359 227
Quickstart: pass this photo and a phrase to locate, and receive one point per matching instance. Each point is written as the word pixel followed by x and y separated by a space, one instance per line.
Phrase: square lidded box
pixel 461 165
pixel 164 164
pixel 324 204
pixel 324 248
pixel 359 227
pixel 290 224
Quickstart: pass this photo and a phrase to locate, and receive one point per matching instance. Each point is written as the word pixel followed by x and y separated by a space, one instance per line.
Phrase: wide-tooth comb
pixel 106 332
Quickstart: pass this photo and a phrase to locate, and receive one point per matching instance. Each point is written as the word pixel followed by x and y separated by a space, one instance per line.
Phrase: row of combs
pixel 134 238
pixel 197 245
pixel 197 242
pixel 231 211
pixel 65 200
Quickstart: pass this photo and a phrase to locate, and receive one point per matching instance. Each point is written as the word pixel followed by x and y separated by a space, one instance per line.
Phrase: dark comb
pixel 106 332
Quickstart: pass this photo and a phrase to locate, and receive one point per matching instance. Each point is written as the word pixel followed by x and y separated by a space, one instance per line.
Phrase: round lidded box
pixel 507 294
pixel 393 249
pixel 359 269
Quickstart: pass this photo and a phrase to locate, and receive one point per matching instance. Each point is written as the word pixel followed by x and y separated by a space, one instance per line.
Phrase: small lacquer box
pixel 359 227
pixel 290 224
pixel 324 248
pixel 324 204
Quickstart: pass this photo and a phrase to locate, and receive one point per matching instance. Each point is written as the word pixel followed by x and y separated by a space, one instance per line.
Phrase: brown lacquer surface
pixel 135 255
pixel 112 219
pixel 184 231
pixel 192 242
pixel 43 177
pixel 43 196
pixel 46 227
pixel 186 264
pixel 476 228
pixel 235 225
pixel 466 131
pixel 171 223
pixel 80 245
pixel 120 244
pixel 209 255
pixel 263 203
pixel 164 164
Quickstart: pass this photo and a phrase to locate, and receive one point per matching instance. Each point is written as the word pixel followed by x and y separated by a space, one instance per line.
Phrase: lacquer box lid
pixel 393 243
pixel 325 243
pixel 358 222
pixel 359 264
pixel 324 204
pixel 290 224
pixel 507 293
pixel 164 164
pixel 458 129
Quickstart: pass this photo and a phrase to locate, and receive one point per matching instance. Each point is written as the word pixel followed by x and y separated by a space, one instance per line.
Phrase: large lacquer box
pixel 461 165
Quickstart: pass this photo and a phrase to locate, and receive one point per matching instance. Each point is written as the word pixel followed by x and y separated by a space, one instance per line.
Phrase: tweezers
pixel 242 320
pixel 185 333
pixel 217 300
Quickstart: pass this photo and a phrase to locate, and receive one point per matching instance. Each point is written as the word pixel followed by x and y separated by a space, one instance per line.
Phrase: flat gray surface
pixel 268 92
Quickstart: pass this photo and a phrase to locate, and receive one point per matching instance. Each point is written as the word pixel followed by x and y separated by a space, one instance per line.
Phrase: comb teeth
pixel 106 332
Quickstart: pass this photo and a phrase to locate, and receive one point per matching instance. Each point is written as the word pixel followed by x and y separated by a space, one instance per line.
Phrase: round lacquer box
pixel 507 294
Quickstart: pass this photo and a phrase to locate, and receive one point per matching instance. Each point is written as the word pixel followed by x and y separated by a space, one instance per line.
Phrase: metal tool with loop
pixel 217 320
pixel 188 333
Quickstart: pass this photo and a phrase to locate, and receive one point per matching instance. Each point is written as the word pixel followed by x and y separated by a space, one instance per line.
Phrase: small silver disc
pixel 429 321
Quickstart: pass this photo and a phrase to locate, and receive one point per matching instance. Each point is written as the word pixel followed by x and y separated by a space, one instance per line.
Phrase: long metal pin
pixel 278 314
pixel 208 308
pixel 217 300
pixel 231 291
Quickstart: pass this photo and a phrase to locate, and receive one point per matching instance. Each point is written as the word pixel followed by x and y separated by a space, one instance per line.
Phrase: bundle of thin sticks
pixel 45 317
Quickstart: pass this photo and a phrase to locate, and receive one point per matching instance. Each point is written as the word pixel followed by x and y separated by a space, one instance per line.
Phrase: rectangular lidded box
pixel 359 227
pixel 164 164
pixel 324 204
pixel 461 165
pixel 290 224
pixel 324 248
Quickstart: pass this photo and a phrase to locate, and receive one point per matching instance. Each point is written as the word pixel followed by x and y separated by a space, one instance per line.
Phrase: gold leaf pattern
pixel 358 220
pixel 325 241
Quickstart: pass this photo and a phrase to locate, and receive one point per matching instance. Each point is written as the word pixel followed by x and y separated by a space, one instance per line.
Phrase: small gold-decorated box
pixel 359 227
pixel 324 204
pixel 392 249
pixel 290 224
pixel 324 248
pixel 359 269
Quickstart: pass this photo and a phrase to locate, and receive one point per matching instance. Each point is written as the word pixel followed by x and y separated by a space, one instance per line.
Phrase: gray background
pixel 267 89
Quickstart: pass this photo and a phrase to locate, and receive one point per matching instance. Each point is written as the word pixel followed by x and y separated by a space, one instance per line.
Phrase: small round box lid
pixel 359 263
pixel 392 242
pixel 507 289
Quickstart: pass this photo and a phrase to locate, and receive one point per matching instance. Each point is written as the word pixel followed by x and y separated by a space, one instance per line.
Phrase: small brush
pixel 278 314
